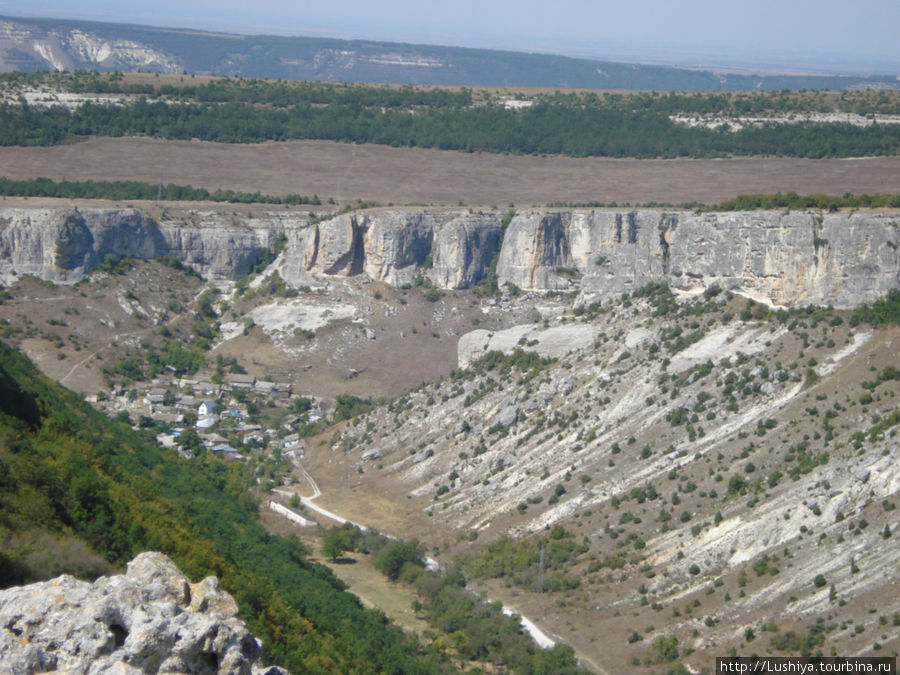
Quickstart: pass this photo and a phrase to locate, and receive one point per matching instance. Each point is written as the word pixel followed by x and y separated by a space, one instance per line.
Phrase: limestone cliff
pixel 454 249
pixel 149 620
pixel 838 259
pixel 802 258
pixel 389 246
pixel 62 245
pixel 223 247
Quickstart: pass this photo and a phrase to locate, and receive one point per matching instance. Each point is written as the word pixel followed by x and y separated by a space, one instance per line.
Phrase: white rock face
pixel 787 258
pixel 472 346
pixel 62 245
pixel 801 258
pixel 463 248
pixel 149 620
pixel 394 246
pixel 216 252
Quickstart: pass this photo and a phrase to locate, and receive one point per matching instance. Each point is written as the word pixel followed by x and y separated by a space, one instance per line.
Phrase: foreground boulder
pixel 149 620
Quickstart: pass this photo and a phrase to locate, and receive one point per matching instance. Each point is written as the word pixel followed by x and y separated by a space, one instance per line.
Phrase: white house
pixel 206 408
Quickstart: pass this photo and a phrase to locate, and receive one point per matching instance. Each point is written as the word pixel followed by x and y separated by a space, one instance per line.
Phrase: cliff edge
pixel 801 258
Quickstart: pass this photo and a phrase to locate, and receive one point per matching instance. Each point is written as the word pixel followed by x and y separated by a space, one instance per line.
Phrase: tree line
pixel 760 201
pixel 476 629
pixel 792 200
pixel 761 103
pixel 135 190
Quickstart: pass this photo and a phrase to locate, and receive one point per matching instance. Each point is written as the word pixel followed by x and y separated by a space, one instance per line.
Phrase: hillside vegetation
pixel 80 493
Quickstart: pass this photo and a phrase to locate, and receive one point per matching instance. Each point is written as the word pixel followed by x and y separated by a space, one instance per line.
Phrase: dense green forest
pixel 578 125
pixel 68 475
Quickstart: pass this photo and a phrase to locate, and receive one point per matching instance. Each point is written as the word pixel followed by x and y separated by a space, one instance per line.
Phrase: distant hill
pixel 56 44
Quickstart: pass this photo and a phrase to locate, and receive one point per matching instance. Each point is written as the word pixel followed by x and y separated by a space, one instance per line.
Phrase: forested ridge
pixel 579 125
pixel 69 475
pixel 541 129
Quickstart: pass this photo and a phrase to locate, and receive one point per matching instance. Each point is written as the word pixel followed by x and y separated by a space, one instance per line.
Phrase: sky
pixel 802 35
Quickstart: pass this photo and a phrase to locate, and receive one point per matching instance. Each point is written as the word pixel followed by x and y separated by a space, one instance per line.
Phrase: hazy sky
pixel 832 34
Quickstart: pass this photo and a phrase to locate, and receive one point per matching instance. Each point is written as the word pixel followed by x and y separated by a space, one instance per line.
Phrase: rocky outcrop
pixel 788 259
pixel 65 47
pixel 149 620
pixel 550 343
pixel 805 258
pixel 392 246
pixel 389 246
pixel 463 249
pixel 536 247
pixel 835 259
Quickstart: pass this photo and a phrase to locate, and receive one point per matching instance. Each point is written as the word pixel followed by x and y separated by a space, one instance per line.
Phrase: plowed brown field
pixel 419 176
